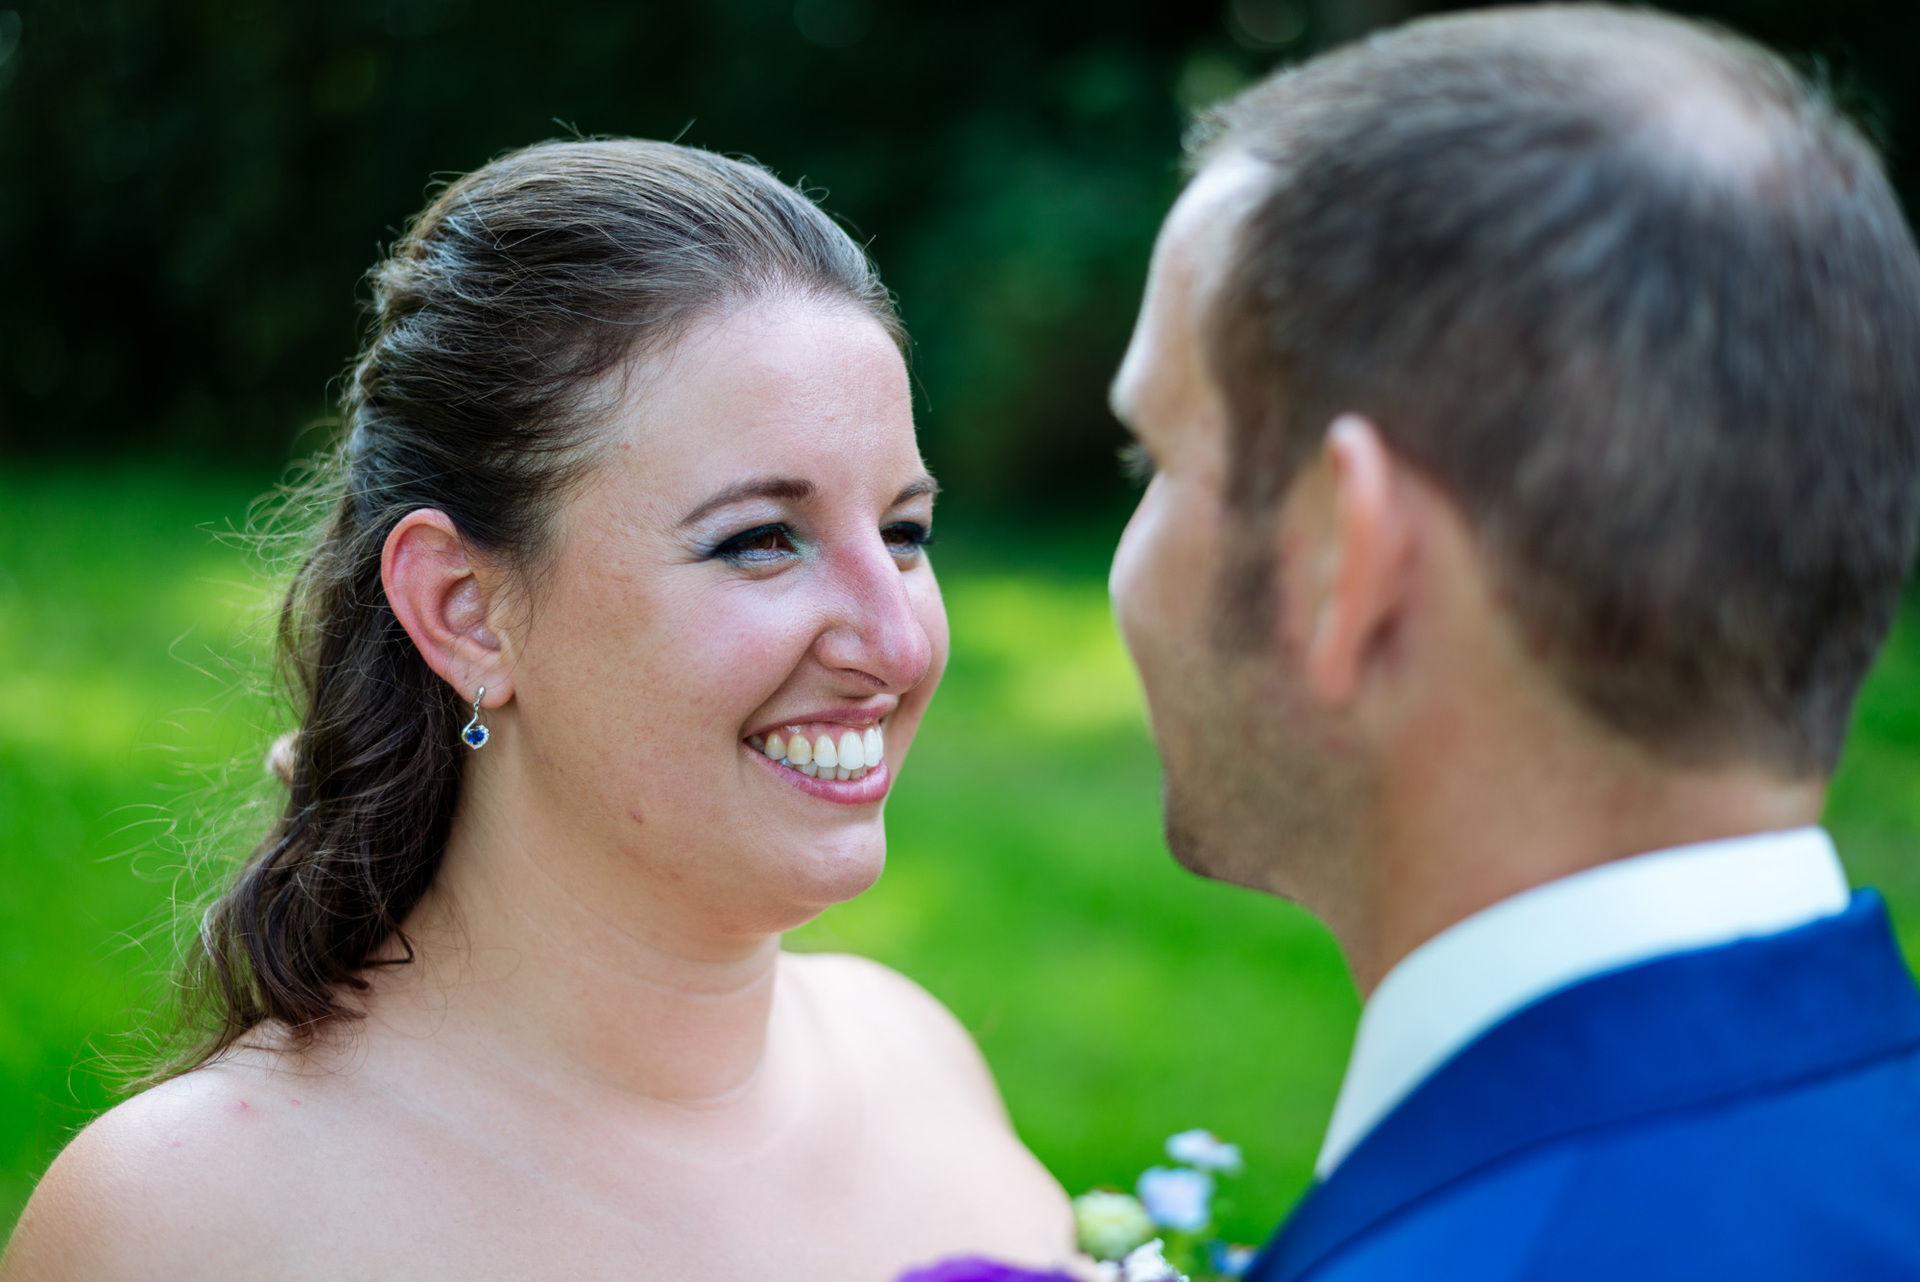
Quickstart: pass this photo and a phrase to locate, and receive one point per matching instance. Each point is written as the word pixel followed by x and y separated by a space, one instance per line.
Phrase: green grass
pixel 117 718
pixel 1118 998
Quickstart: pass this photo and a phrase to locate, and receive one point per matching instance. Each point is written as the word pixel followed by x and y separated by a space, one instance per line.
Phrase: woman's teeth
pixel 824 752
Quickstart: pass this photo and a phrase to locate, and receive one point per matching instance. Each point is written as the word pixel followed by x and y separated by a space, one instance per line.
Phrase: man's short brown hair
pixel 1642 302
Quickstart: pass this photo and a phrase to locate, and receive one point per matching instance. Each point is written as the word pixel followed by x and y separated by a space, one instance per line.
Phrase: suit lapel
pixel 1667 1034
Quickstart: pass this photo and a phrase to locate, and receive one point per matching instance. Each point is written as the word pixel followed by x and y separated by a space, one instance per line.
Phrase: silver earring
pixel 474 735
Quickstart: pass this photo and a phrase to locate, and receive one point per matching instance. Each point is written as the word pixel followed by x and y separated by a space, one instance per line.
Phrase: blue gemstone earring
pixel 474 735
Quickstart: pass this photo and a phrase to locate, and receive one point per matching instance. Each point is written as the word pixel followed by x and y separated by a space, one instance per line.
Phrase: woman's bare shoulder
pixel 899 1023
pixel 178 1181
pixel 940 1099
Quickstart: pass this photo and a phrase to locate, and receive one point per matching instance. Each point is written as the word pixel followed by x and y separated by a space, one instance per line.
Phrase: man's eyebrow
pixel 791 488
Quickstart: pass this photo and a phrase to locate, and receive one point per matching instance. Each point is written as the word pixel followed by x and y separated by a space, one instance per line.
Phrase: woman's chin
pixel 834 872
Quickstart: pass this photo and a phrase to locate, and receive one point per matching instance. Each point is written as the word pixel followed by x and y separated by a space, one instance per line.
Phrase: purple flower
pixel 1177 1198
pixel 975 1268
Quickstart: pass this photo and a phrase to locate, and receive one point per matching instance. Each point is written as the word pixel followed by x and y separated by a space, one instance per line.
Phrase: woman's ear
pixel 1367 548
pixel 442 601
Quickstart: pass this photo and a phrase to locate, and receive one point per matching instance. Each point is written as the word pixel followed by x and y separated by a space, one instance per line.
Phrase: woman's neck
pixel 519 945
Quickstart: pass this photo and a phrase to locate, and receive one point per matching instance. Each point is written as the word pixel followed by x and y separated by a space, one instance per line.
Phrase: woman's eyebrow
pixel 791 488
pixel 925 485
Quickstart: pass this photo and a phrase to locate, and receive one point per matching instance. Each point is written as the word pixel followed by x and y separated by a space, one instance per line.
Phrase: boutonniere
pixel 1161 1232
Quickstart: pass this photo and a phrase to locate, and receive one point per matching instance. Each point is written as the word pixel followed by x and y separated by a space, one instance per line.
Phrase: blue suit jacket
pixel 1748 1112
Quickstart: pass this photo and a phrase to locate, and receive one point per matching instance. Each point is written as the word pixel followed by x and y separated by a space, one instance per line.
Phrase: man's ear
pixel 1367 546
pixel 441 601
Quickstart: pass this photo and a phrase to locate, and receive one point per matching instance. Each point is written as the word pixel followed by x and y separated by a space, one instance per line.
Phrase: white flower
pixel 1205 1150
pixel 1110 1224
pixel 1147 1264
pixel 1177 1198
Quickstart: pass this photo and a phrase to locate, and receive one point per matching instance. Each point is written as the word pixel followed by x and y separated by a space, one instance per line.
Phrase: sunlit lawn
pixel 1118 998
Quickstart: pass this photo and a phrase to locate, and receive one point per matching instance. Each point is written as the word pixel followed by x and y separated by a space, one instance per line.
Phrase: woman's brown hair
pixel 494 321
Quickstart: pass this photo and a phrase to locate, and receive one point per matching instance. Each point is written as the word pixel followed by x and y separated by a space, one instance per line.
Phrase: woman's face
pixel 743 574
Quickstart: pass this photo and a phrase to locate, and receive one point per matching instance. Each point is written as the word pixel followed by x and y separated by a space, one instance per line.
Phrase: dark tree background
pixel 190 190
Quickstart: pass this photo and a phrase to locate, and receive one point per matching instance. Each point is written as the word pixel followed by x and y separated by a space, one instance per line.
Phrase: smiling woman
pixel 631 482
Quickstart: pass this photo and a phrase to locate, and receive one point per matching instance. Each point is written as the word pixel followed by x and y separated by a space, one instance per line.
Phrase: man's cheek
pixel 1129 584
pixel 1184 567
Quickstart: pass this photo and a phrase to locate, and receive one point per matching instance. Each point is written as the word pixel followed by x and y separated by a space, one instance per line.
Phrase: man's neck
pixel 1505 816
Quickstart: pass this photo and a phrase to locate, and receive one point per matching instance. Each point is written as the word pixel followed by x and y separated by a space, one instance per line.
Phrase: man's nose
pixel 876 635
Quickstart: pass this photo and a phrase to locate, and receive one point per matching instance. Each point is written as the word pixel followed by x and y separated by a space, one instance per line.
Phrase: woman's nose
pixel 877 633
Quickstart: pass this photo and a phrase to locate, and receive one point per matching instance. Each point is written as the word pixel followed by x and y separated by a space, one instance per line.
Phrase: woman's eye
pixel 905 538
pixel 757 546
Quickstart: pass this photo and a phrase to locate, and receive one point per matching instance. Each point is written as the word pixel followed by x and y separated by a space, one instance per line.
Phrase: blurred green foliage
pixel 190 190
pixel 1118 998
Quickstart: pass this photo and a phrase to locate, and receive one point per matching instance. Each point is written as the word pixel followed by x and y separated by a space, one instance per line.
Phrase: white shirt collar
pixel 1474 974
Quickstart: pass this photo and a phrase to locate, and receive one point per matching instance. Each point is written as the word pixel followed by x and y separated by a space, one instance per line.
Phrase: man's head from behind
pixel 1555 365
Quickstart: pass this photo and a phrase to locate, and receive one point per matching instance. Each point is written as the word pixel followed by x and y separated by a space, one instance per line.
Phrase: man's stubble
pixel 1262 788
